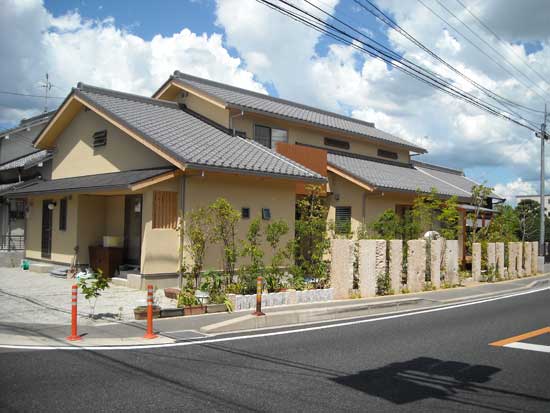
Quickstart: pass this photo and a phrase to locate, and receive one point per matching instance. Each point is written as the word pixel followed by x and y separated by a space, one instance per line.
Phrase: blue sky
pixel 243 43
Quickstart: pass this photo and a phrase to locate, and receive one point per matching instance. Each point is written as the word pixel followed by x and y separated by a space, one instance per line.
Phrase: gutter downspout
pixel 231 125
pixel 181 223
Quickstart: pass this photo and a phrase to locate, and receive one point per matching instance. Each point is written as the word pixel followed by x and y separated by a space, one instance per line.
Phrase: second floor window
pixel 269 137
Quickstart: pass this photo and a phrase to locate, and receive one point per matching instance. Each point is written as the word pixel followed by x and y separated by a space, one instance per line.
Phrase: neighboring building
pixel 20 162
pixel 537 199
pixel 123 165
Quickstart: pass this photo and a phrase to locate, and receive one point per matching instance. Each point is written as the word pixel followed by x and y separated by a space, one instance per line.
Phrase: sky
pixel 134 46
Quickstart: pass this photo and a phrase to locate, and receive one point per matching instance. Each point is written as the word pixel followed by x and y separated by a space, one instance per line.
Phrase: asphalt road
pixel 438 361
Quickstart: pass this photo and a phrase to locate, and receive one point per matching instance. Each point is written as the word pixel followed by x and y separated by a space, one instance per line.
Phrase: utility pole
pixel 543 138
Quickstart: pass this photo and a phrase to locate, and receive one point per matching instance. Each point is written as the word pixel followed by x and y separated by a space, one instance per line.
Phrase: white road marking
pixel 272 334
pixel 529 346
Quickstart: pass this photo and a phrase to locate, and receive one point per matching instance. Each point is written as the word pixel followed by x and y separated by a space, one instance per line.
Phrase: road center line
pixel 272 334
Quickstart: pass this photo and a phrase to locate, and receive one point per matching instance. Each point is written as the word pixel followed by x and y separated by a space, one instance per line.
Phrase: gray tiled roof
pixel 252 101
pixel 113 180
pixel 405 177
pixel 189 139
pixel 27 160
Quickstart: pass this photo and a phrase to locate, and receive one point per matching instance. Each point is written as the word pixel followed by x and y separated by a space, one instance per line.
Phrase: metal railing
pixel 12 242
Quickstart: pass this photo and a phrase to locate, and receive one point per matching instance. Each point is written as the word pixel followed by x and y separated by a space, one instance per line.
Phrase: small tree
pixel 224 220
pixel 449 218
pixel 480 193
pixel 504 225
pixel 273 234
pixel 528 213
pixel 311 242
pixel 252 248
pixel 92 288
pixel 198 235
pixel 388 225
pixel 424 213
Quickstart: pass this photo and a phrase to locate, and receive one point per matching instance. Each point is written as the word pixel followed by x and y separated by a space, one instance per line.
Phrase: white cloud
pixel 72 49
pixel 509 190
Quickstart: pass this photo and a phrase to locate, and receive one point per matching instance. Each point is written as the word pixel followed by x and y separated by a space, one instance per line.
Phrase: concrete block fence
pixel 377 258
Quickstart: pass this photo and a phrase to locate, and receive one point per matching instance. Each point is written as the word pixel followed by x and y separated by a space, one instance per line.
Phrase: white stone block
pixel 396 264
pixel 134 281
pixel 367 268
pixel 476 261
pixel 527 259
pixel 436 246
pixel 451 262
pixel 491 258
pixel 341 268
pixel 534 257
pixel 499 257
pixel 416 264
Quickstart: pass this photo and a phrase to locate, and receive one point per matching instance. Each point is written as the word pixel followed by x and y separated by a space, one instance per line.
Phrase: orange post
pixel 74 296
pixel 259 286
pixel 149 333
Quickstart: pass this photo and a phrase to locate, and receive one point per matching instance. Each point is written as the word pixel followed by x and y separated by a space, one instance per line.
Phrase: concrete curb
pixel 313 315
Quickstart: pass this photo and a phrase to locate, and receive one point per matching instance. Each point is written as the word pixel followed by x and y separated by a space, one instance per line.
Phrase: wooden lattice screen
pixel 165 209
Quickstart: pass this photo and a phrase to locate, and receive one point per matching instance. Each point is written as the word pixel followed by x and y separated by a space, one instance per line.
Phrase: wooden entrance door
pixel 132 229
pixel 47 215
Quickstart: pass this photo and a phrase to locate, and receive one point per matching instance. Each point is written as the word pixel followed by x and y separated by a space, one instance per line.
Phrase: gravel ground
pixel 41 298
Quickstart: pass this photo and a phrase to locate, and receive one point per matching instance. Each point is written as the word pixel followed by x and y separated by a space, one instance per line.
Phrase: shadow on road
pixel 425 377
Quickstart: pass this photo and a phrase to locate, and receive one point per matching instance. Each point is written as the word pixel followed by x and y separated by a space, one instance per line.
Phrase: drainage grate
pixel 184 335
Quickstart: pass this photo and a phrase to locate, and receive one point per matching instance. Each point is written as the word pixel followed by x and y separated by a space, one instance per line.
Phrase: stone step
pixel 40 267
pixel 119 281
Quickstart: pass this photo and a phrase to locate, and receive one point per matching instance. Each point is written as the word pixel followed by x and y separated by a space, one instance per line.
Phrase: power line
pixel 475 45
pixel 5 92
pixel 393 59
pixel 380 15
pixel 503 42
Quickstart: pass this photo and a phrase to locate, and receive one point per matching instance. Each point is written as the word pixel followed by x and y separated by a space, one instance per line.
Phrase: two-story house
pixel 124 165
pixel 20 163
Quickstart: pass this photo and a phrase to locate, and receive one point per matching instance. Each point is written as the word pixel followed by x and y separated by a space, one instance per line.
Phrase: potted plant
pixel 219 303
pixel 190 303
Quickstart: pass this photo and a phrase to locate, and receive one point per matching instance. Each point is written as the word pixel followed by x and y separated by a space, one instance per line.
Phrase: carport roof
pixel 89 183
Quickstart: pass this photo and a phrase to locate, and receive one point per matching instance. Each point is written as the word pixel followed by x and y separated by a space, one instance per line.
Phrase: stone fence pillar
pixel 436 246
pixel 416 264
pixel 512 260
pixel 519 262
pixel 396 264
pixel 451 262
pixel 476 261
pixel 491 258
pixel 527 259
pixel 372 262
pixel 341 267
pixel 534 257
pixel 499 257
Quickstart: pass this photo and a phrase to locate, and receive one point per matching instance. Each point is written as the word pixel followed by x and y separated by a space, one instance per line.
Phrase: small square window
pixel 266 214
pixel 343 219
pixel 245 213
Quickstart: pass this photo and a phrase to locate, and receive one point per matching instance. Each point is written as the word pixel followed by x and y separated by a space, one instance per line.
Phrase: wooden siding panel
pixel 165 210
pixel 312 158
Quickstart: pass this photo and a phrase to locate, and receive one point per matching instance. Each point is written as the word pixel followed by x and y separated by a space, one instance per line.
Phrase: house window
pixel 240 133
pixel 100 138
pixel 343 219
pixel 17 209
pixel 165 210
pixel 266 214
pixel 245 213
pixel 387 154
pixel 269 137
pixel 336 143
pixel 63 214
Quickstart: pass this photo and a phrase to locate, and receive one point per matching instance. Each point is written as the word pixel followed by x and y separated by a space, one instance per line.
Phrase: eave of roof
pixel 178 79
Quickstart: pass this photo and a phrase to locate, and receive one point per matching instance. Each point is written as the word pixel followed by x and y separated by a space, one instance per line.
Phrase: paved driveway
pixel 27 297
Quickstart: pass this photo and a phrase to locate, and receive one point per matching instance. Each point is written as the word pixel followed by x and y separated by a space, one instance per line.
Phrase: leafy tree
pixel 424 213
pixel 224 220
pixel 480 193
pixel 273 234
pixel 252 248
pixel 504 225
pixel 198 235
pixel 449 218
pixel 311 242
pixel 92 288
pixel 388 225
pixel 528 213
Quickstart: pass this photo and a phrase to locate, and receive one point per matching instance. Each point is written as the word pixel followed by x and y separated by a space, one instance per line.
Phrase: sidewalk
pixel 195 327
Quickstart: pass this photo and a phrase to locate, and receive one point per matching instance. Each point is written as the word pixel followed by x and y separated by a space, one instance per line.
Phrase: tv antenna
pixel 47 87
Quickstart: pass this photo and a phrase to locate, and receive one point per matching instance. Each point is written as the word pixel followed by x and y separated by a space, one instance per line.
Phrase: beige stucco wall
pixel 76 156
pixel 242 191
pixel 91 224
pixel 63 242
pixel 159 247
pixel 207 109
pixel 315 136
pixel 352 195
pixel 114 215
